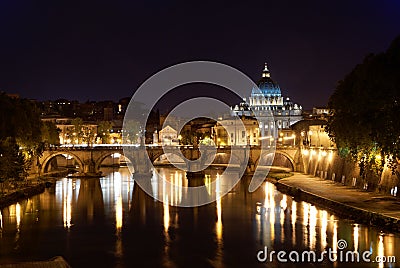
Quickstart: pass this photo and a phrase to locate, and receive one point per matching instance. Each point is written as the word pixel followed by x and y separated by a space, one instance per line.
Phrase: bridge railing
pixel 150 146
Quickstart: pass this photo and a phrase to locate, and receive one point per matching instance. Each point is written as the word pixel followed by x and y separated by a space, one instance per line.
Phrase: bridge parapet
pixel 87 155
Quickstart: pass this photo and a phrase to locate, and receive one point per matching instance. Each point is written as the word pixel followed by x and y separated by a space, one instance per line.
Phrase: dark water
pixel 109 222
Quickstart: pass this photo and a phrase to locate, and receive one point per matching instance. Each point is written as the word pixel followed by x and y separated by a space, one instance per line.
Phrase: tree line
pixel 23 136
pixel 365 121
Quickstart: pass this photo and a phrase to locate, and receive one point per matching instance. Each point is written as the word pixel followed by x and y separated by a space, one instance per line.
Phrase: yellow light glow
pixel 334 237
pixel 356 236
pixel 293 218
pixel 118 204
pixel 219 209
pixel 378 157
pixel 166 207
pixel 67 200
pixel 18 214
pixel 305 152
pixel 324 227
pixel 381 250
pixel 313 225
pixel 330 156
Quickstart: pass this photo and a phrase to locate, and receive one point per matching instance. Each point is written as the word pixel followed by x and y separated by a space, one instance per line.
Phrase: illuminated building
pixel 274 112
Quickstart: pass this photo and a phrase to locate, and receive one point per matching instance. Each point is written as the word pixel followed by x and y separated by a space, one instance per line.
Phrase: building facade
pixel 274 112
pixel 230 131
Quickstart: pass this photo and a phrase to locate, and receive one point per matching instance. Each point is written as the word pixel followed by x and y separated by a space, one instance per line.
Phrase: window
pixel 243 134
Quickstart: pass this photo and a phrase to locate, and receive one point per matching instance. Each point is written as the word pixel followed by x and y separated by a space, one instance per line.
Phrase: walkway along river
pixel 108 222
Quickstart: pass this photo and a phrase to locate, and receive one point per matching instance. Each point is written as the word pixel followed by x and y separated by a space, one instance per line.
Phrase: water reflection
pixel 67 195
pixel 381 249
pixel 111 222
pixel 18 215
pixel 324 228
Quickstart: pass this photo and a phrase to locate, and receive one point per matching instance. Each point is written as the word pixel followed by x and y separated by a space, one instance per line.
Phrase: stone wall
pixel 327 164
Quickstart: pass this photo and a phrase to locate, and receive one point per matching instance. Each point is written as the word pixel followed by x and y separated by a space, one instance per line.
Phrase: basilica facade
pixel 274 112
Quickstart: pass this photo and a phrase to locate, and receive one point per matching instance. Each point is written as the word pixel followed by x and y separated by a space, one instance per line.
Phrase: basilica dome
pixel 267 86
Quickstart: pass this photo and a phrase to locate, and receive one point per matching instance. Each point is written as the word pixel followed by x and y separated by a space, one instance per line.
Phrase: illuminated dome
pixel 267 86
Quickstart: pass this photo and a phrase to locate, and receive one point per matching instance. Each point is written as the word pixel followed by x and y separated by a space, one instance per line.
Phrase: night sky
pixel 101 50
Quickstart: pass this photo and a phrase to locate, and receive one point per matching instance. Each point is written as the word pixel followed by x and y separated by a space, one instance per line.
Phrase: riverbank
pixel 369 208
pixel 21 193
pixel 32 186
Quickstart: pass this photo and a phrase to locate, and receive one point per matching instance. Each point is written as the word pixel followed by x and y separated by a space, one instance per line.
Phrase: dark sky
pixel 102 50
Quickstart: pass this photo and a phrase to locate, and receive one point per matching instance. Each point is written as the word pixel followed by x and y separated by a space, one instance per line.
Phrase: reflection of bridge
pixel 90 158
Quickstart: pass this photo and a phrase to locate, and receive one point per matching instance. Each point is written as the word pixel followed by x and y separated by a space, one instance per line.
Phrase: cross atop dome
pixel 265 72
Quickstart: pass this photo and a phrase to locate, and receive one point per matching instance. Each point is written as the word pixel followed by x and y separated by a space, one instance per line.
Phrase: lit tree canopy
pixel 365 107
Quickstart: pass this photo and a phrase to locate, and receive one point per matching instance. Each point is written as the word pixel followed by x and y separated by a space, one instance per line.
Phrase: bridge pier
pixel 191 175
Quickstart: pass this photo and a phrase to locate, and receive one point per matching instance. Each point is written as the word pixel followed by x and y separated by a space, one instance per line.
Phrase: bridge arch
pixel 160 154
pixel 46 161
pixel 102 157
pixel 279 156
pixel 225 156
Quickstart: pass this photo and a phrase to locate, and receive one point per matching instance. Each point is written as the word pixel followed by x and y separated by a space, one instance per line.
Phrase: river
pixel 110 222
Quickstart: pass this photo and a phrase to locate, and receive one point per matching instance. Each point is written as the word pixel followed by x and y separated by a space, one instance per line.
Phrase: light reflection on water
pixel 110 222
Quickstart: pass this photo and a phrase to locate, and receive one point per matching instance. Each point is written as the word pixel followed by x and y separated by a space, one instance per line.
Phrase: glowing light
pixel 323 153
pixel 283 203
pixel 378 157
pixel 356 236
pixel 67 196
pixel 330 157
pixel 294 216
pixel 118 214
pixel 324 227
pixel 165 207
pixel 67 156
pixel 334 237
pixel 381 250
pixel 319 155
pixel 18 214
pixel 305 152
pixel 166 214
pixel 269 204
pixel 219 208
pixel 118 203
pixel 1 220
pixel 313 224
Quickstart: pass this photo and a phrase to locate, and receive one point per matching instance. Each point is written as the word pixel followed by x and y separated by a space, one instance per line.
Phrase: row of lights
pixel 321 153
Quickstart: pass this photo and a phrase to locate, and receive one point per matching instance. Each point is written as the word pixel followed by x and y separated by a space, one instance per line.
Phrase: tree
pixel 50 133
pixel 76 132
pixel 365 108
pixel 103 131
pixel 20 135
pixel 132 131
pixel 13 162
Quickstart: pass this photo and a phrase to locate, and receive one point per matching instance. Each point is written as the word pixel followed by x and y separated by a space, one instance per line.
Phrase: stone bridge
pixel 90 158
